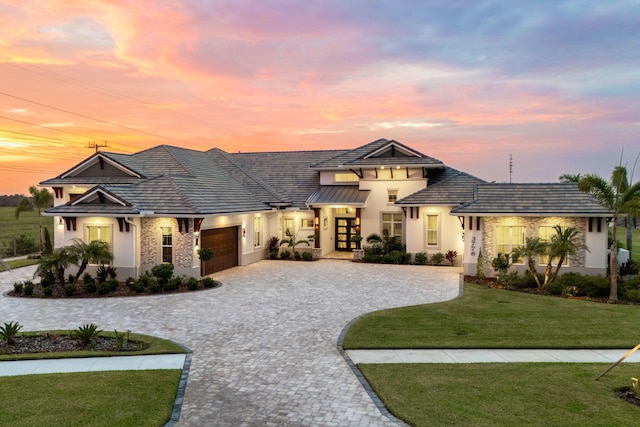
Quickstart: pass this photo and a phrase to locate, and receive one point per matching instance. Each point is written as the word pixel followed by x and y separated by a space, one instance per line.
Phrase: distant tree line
pixel 11 200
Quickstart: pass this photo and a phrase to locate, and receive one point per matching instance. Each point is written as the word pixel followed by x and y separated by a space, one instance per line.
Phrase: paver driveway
pixel 264 344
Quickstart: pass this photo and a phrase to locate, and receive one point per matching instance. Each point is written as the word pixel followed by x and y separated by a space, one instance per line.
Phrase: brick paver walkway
pixel 264 344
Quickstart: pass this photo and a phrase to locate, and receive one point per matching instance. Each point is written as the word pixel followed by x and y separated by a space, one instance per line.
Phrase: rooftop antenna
pixel 510 167
pixel 97 145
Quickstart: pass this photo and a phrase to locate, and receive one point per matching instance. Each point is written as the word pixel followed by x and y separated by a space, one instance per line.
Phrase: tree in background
pixel 623 199
pixel 40 199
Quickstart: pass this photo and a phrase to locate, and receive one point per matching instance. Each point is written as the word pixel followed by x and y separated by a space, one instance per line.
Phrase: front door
pixel 345 228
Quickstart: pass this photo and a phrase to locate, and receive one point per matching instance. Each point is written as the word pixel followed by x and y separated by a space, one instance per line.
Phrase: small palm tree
pixel 386 241
pixel 40 199
pixel 96 252
pixel 52 266
pixel 565 243
pixel 532 248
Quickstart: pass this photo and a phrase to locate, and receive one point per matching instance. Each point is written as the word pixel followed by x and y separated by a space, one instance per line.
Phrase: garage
pixel 224 243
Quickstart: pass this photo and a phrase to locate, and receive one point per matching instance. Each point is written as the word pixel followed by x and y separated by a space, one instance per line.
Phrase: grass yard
pixel 89 399
pixel 494 318
pixel 635 241
pixel 28 223
pixel 536 394
pixel 506 394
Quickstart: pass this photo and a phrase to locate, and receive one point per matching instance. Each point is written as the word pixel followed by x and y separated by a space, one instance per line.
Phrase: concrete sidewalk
pixel 92 364
pixel 490 356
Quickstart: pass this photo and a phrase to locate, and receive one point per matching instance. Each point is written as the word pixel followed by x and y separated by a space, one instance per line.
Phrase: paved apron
pixel 264 344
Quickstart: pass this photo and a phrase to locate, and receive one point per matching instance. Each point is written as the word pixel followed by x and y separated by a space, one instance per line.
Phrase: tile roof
pixel 446 186
pixel 338 195
pixel 561 199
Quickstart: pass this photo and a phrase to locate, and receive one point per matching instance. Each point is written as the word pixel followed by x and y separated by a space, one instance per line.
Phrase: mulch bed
pixel 51 343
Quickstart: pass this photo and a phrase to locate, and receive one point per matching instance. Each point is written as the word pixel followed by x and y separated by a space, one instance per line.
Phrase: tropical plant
pixel 291 241
pixel 95 252
pixel 162 272
pixel 437 258
pixel 9 331
pixel 451 256
pixel 480 267
pixel 623 199
pixel 40 199
pixel 532 248
pixel 52 266
pixel 565 243
pixel 386 242
pixel 86 333
pixel 272 247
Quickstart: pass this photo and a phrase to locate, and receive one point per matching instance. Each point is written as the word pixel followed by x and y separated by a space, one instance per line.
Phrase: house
pixel 163 204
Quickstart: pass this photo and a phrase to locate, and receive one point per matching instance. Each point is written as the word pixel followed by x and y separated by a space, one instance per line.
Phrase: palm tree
pixel 622 199
pixel 97 252
pixel 565 243
pixel 40 199
pixel 532 248
pixel 52 266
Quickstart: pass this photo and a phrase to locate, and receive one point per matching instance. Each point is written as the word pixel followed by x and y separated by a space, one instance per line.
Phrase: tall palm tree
pixel 565 243
pixel 621 198
pixel 532 248
pixel 82 254
pixel 40 199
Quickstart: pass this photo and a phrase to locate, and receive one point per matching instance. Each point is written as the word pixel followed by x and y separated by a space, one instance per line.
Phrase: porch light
pixel 316 221
pixel 60 221
pixel 244 232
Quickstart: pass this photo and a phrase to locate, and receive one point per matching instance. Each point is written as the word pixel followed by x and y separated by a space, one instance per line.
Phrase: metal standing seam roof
pixel 561 199
pixel 338 195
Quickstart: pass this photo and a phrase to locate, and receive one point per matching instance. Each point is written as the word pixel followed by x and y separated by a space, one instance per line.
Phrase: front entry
pixel 345 228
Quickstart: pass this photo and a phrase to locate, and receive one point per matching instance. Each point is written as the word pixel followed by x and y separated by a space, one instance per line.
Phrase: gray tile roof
pixel 444 187
pixel 358 157
pixel 338 195
pixel 561 199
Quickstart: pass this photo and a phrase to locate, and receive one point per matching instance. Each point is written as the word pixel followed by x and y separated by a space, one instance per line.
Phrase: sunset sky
pixel 555 84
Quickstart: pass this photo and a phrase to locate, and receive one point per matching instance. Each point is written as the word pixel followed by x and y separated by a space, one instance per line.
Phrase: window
pixel 345 177
pixel 392 195
pixel 167 244
pixel 288 225
pixel 431 226
pixel 257 231
pixel 306 223
pixel 102 233
pixel 508 238
pixel 393 223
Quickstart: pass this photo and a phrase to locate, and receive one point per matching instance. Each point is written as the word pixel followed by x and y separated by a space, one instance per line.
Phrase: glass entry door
pixel 345 228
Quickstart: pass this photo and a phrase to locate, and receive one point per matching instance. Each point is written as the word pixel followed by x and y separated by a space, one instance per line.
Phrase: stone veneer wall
pixel 150 242
pixel 531 224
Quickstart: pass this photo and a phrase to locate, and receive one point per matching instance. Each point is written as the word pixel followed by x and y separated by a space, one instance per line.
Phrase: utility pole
pixel 510 167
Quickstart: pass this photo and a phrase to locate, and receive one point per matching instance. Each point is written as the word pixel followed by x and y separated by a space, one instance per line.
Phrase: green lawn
pixel 493 318
pixel 28 223
pixel 622 238
pixel 89 399
pixel 493 394
pixel 506 394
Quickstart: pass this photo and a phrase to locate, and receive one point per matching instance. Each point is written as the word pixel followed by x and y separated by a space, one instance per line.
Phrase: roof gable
pixel 101 165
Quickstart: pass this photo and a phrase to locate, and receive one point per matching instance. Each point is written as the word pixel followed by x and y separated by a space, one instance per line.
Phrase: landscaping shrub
pixel 139 286
pixel 9 331
pixel 154 287
pixel 451 256
pixel 173 284
pixel 273 247
pixel 86 278
pixel 104 288
pixel 162 272
pixel 90 286
pixel 28 288
pixel 437 258
pixel 208 282
pixel 421 258
pixel 86 333
pixel 17 288
pixel 69 289
pixel 192 283
pixel 307 256
pixel 633 295
pixel 285 254
pixel 297 256
pixel 105 272
pixel 576 284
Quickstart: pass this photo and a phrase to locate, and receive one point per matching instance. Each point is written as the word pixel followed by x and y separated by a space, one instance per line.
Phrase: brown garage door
pixel 224 243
